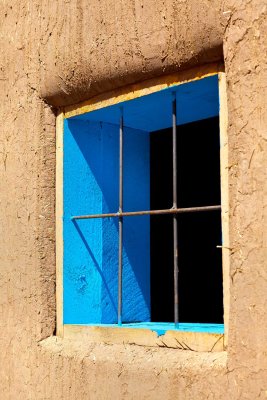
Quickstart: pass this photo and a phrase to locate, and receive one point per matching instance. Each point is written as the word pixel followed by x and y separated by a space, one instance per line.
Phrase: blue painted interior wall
pixel 196 100
pixel 91 175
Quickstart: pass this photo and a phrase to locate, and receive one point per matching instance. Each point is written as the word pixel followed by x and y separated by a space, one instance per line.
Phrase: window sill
pixel 194 337
pixel 98 358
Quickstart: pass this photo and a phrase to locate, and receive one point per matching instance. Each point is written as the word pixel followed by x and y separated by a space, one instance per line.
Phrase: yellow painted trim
pixel 194 341
pixel 142 89
pixel 59 223
pixel 224 200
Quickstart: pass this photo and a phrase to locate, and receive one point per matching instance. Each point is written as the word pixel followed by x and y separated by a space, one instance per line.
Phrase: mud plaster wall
pixel 61 52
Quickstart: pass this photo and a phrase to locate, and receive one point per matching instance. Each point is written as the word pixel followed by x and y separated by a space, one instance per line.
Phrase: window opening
pixel 192 217
pixel 198 182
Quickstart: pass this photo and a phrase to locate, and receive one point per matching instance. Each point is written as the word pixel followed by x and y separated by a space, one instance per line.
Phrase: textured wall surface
pixel 54 53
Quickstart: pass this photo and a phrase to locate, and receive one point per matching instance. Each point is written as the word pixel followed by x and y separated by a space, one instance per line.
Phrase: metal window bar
pixel 120 266
pixel 149 212
pixel 175 222
pixel 174 211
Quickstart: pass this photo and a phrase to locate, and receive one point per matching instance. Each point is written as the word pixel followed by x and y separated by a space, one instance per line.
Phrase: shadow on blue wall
pixel 96 265
pixel 94 147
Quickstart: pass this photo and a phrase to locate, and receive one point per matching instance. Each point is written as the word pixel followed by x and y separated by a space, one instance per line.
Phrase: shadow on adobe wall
pixel 102 55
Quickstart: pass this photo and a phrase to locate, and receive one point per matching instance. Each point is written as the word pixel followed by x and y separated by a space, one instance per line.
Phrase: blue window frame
pixel 91 170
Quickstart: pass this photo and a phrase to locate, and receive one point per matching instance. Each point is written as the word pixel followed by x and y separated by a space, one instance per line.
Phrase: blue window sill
pixel 162 327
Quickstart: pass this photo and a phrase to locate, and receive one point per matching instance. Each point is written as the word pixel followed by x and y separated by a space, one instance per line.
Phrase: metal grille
pixel 175 211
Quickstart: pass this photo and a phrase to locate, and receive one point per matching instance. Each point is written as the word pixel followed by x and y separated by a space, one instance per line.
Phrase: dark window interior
pixel 200 264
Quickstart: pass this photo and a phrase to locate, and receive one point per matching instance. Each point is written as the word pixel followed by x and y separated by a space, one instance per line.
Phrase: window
pixel 142 212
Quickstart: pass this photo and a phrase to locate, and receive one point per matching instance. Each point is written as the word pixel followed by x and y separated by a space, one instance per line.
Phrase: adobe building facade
pixel 59 53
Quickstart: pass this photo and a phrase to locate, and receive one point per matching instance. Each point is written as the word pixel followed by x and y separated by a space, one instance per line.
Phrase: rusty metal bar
pixel 175 222
pixel 149 212
pixel 120 265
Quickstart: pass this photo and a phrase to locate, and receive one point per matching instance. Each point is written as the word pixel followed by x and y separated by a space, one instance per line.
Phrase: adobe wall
pixel 54 53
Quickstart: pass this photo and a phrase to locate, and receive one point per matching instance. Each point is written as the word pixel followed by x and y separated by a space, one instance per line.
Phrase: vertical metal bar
pixel 175 224
pixel 120 222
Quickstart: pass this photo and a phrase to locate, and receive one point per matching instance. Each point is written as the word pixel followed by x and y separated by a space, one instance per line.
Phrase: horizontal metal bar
pixel 149 212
